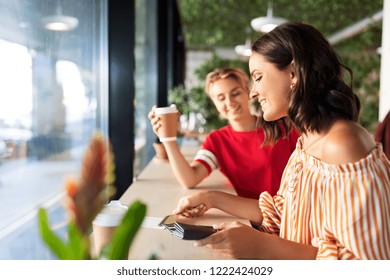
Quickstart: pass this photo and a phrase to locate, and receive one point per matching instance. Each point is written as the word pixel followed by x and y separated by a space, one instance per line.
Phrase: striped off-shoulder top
pixel 344 210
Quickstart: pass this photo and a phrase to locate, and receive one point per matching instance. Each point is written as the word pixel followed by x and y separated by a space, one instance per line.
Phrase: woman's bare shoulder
pixel 346 142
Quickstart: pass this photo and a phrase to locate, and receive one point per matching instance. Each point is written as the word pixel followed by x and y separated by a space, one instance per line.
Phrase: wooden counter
pixel 158 188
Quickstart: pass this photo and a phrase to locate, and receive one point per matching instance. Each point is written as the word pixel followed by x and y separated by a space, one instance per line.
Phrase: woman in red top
pixel 235 149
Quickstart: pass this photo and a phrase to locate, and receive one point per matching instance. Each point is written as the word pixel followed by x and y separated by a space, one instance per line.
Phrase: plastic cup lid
pixel 166 110
pixel 111 215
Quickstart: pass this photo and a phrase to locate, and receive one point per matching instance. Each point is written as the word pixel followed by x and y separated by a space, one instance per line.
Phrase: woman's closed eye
pixel 235 93
pixel 220 97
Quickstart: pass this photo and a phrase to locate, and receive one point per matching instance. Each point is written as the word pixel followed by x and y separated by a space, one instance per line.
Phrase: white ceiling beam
pixel 355 28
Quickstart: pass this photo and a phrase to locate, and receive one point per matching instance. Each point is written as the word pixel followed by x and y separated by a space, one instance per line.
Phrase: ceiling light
pixel 267 23
pixel 60 22
pixel 244 50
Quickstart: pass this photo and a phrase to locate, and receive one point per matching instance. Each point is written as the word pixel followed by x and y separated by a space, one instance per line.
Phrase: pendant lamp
pixel 267 23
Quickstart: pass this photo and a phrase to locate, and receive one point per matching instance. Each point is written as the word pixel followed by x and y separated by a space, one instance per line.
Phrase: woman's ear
pixel 293 77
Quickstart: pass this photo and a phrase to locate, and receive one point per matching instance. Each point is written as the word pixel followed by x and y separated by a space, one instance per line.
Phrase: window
pixel 160 63
pixel 145 80
pixel 53 96
pixel 59 84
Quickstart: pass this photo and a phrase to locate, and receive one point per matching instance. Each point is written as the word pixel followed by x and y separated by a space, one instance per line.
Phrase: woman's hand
pixel 240 241
pixel 154 120
pixel 235 240
pixel 194 205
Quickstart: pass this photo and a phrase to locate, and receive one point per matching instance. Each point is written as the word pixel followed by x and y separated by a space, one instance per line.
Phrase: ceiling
pixel 224 23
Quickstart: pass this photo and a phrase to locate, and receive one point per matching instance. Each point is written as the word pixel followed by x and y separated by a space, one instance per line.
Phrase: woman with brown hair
pixel 334 197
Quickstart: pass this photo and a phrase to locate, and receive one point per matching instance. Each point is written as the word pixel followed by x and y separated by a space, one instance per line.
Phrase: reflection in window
pixel 145 81
pixel 75 100
pixel 16 89
pixel 52 98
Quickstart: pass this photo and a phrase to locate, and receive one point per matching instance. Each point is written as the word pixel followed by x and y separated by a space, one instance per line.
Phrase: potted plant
pixel 85 198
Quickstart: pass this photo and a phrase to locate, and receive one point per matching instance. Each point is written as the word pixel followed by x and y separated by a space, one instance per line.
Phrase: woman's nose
pixel 229 100
pixel 253 94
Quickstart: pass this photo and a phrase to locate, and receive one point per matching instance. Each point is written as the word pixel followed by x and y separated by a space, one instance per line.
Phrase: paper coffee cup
pixel 168 117
pixel 106 222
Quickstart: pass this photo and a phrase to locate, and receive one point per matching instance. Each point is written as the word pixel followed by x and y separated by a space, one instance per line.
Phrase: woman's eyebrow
pixel 238 87
pixel 219 94
pixel 230 90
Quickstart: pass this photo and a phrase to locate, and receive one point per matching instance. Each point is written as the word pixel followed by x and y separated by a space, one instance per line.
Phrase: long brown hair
pixel 320 94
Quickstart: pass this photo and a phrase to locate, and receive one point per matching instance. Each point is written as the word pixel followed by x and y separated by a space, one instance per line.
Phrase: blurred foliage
pixel 224 23
pixel 84 199
pixel 196 100
pixel 366 78
pixel 208 24
pixel 77 245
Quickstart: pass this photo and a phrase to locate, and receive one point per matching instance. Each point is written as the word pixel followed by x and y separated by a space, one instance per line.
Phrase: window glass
pixel 53 97
pixel 145 80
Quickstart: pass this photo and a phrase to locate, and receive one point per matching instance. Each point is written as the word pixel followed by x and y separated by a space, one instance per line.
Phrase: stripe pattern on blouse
pixel 344 210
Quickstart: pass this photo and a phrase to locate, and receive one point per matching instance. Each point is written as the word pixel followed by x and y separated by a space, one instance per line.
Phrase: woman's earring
pixel 292 86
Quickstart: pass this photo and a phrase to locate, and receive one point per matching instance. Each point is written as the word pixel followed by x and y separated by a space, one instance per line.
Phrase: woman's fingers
pixel 197 210
pixel 154 120
pixel 220 226
pixel 233 239
pixel 151 114
pixel 192 206
pixel 184 204
pixel 156 126
pixel 214 240
pixel 190 211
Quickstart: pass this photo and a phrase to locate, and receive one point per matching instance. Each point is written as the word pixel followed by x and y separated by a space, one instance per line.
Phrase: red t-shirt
pixel 250 168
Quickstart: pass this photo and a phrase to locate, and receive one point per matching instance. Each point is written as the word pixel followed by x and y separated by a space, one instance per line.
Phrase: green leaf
pixel 123 236
pixel 78 246
pixel 56 245
pixel 76 249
